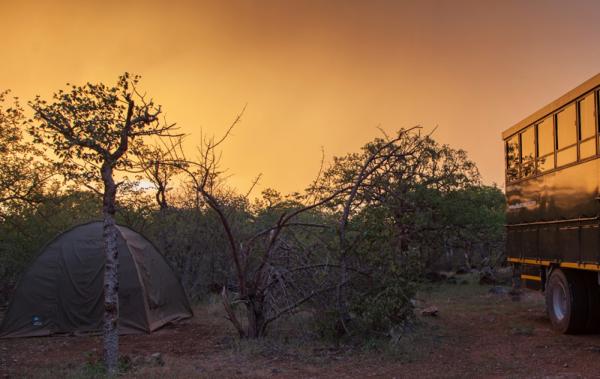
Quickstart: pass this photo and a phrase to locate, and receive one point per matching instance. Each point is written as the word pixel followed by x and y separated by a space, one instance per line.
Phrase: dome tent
pixel 62 291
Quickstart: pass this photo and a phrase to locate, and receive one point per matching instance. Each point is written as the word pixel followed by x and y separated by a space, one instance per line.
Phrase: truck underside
pixel 572 292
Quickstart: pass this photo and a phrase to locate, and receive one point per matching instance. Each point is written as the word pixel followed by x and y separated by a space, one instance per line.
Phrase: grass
pixel 93 368
pixel 522 330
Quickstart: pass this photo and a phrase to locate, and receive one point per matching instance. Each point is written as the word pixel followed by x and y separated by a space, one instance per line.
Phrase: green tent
pixel 62 291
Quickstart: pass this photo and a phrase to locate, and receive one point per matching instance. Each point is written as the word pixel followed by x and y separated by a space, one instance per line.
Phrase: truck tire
pixel 567 301
pixel 593 292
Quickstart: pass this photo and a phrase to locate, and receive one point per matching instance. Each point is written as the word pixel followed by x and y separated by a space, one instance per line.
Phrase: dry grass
pixel 473 335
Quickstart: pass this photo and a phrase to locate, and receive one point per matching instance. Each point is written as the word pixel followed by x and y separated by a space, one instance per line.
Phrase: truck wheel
pixel 567 301
pixel 593 292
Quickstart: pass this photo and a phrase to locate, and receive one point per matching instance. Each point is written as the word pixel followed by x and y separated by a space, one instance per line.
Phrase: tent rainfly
pixel 62 291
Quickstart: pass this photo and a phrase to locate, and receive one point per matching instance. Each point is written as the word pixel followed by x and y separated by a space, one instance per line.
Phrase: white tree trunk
pixel 111 279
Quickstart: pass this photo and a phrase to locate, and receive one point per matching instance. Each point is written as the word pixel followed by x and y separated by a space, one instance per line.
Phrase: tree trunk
pixel 111 269
pixel 256 319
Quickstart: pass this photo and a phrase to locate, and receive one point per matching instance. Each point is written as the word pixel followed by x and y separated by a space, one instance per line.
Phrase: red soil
pixel 476 334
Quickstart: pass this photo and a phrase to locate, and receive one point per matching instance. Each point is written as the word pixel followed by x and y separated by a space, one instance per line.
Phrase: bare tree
pixel 153 160
pixel 250 254
pixel 266 287
pixel 93 129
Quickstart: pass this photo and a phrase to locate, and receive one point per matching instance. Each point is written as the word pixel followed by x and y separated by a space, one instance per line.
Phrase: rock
pixel 523 330
pixel 439 276
pixel 498 290
pixel 430 311
pixel 487 277
pixel 157 359
pixel 504 275
pixel 433 276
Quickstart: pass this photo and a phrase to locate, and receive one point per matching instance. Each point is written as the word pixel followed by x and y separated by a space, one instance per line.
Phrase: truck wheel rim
pixel 559 301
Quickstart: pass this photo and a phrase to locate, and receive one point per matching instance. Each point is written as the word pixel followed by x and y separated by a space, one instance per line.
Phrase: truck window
pixel 512 158
pixel 545 144
pixel 587 127
pixel 566 131
pixel 528 152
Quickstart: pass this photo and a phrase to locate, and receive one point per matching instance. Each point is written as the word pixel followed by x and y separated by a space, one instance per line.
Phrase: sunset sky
pixel 313 73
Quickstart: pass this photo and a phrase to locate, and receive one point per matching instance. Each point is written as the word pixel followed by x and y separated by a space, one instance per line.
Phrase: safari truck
pixel 552 166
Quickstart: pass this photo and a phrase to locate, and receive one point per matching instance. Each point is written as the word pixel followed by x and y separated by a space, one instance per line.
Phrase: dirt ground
pixel 476 334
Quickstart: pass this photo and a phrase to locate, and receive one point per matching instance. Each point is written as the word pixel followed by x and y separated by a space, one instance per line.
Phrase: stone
pixel 157 359
pixel 487 277
pixel 430 311
pixel 498 290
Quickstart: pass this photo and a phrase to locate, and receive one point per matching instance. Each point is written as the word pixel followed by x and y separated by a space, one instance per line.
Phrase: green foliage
pixel 95 369
pixel 23 234
pixel 193 242
pixel 421 202
pixel 94 124
pixel 381 303
pixel 24 174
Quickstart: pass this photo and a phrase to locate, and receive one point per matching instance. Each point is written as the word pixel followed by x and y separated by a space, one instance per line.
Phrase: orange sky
pixel 314 73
